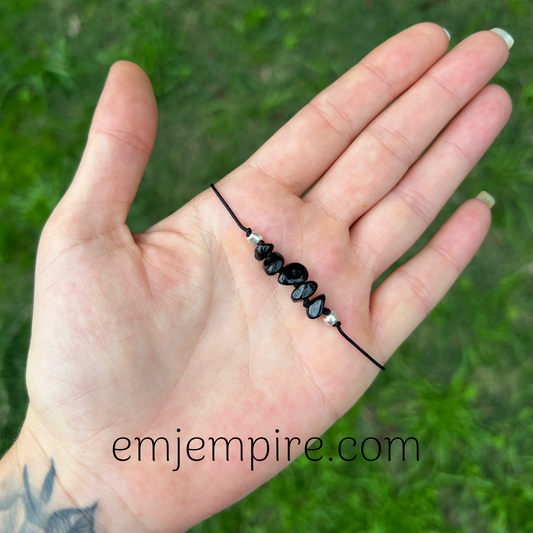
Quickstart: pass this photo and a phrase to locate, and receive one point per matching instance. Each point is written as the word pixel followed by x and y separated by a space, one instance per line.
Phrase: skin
pixel 178 327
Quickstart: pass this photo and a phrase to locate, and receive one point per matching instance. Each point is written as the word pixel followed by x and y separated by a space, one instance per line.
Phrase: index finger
pixel 302 150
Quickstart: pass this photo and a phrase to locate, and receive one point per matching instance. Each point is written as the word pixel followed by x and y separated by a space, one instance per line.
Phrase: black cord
pixel 338 326
pixel 306 301
pixel 248 231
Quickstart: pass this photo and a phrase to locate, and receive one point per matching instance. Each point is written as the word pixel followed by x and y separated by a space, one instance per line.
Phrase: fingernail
pixel 486 198
pixel 447 32
pixel 509 41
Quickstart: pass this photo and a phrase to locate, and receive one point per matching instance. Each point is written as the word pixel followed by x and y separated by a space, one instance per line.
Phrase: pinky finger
pixel 404 299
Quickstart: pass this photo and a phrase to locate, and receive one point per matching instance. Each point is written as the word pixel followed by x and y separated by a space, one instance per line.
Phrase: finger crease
pixel 256 168
pixel 445 254
pixel 419 289
pixel 127 138
pixel 324 115
pixel 407 148
pixel 416 202
pixel 444 86
pixel 378 73
pixel 372 263
pixel 456 148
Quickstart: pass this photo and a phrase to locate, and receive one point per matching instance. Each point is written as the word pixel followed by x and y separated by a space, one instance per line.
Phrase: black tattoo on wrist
pixel 29 510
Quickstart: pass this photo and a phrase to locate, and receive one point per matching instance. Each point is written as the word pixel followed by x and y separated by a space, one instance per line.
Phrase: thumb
pixel 118 148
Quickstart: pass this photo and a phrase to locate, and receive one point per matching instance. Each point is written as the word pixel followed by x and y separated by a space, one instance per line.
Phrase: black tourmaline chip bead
pixel 262 250
pixel 273 263
pixel 305 290
pixel 293 274
pixel 316 306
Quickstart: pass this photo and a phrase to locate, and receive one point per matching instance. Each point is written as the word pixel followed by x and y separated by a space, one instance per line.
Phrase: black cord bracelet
pixel 295 275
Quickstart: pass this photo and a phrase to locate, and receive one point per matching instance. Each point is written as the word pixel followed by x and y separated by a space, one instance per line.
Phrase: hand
pixel 137 335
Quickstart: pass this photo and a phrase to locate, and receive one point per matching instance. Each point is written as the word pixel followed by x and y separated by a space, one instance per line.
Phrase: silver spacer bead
pixel 331 319
pixel 254 238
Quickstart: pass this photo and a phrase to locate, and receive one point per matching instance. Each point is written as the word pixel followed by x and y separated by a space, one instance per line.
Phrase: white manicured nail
pixel 486 198
pixel 447 32
pixel 509 41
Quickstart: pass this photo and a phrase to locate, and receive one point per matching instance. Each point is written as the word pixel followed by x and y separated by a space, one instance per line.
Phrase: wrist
pixel 41 486
pixel 32 493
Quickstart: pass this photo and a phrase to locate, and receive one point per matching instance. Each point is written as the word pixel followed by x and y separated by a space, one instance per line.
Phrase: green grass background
pixel 227 74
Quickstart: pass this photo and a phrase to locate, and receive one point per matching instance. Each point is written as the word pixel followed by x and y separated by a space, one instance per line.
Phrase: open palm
pixel 138 335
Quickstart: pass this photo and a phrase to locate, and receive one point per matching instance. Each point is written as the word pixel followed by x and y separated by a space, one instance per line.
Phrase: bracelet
pixel 294 275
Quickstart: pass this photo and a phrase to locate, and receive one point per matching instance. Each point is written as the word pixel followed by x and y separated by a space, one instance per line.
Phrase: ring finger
pixel 392 142
pixel 385 232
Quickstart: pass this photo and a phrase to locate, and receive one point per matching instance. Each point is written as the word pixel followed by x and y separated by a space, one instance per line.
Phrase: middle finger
pixel 392 142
